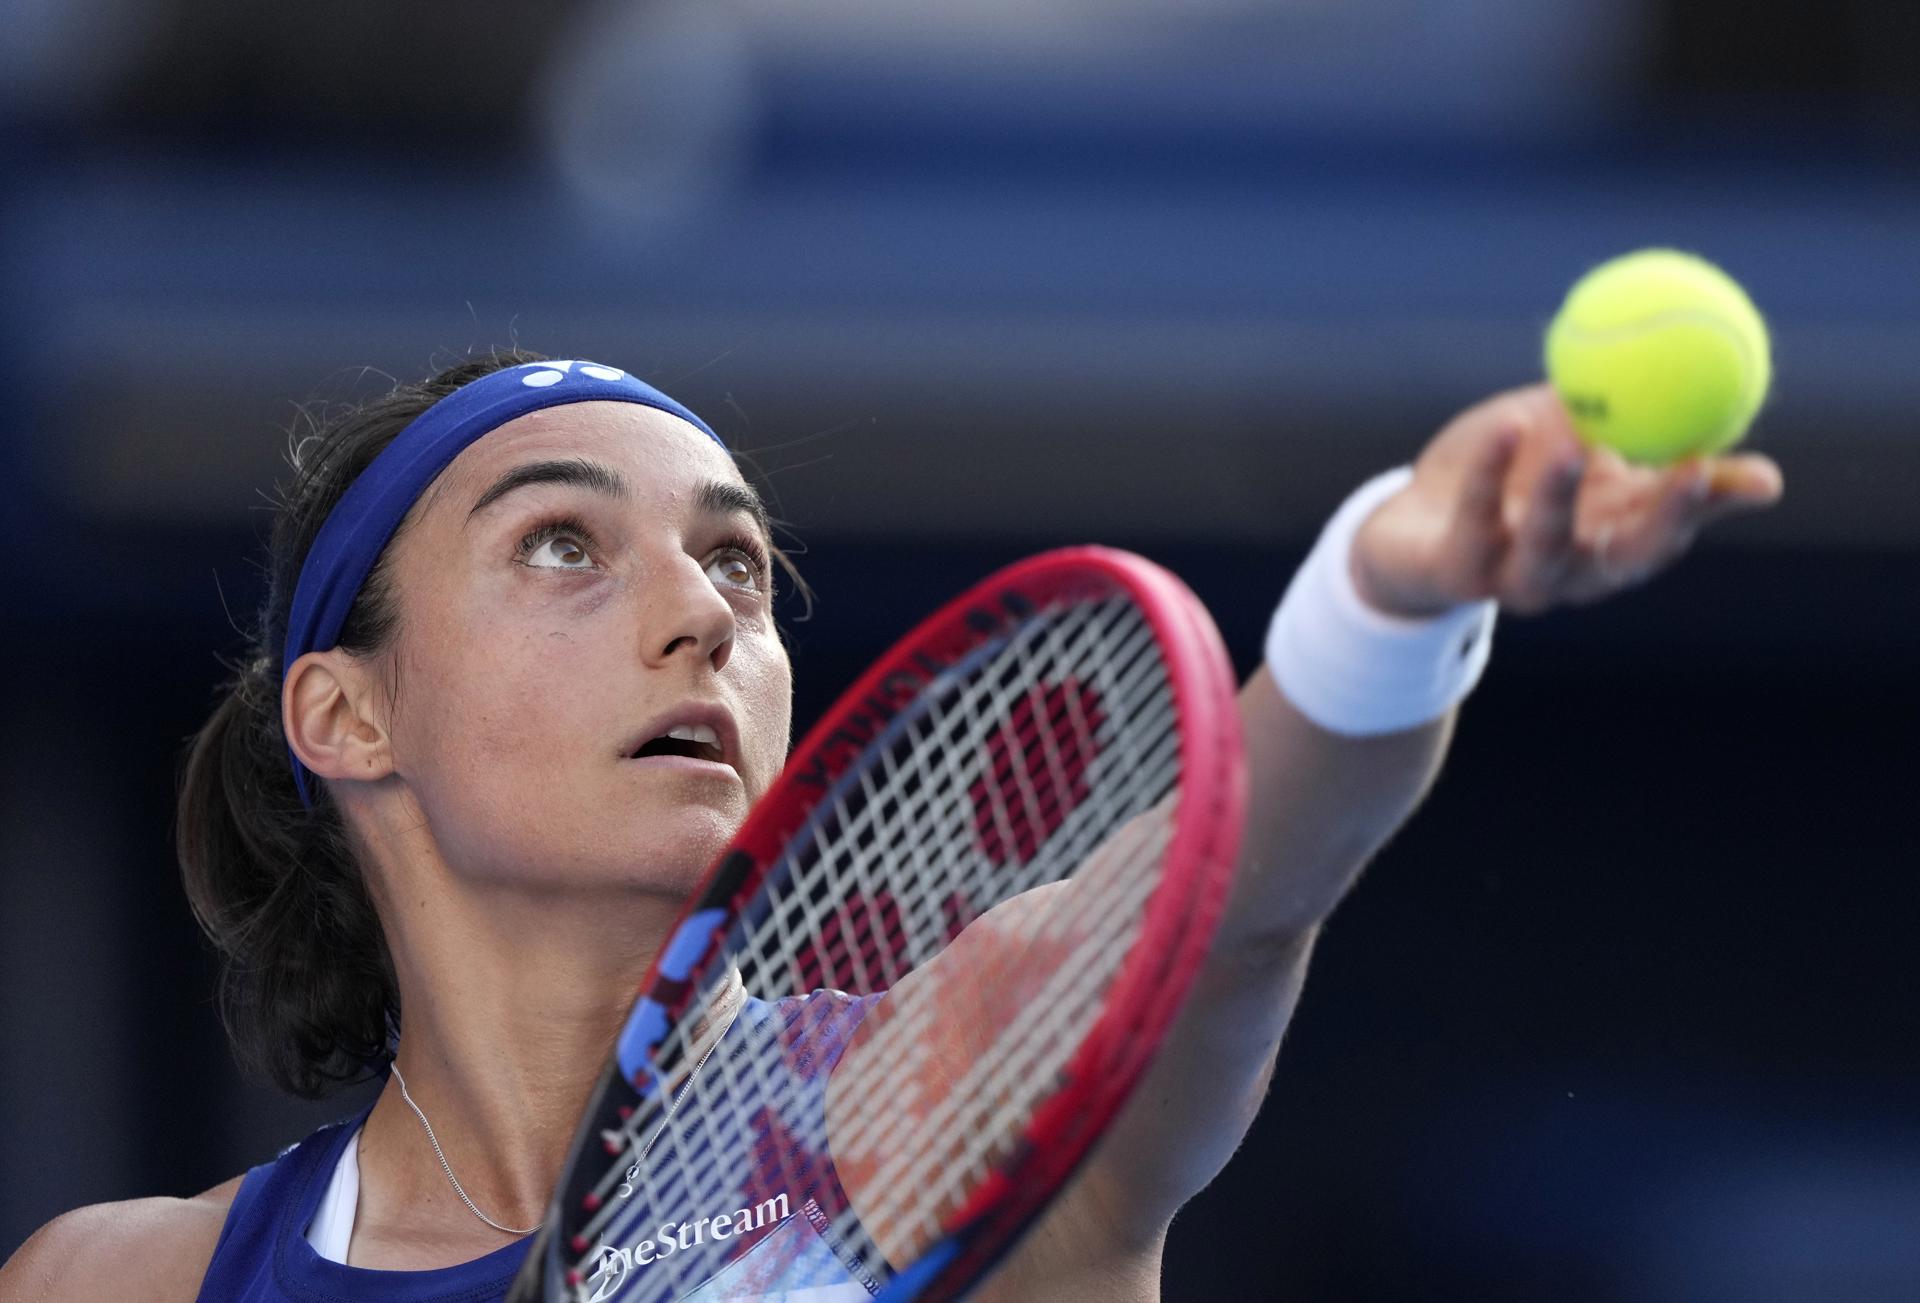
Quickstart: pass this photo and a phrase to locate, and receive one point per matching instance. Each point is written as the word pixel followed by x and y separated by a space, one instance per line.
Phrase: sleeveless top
pixel 263 1255
pixel 331 1230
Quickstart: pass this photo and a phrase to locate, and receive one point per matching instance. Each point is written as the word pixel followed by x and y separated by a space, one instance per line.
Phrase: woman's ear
pixel 326 709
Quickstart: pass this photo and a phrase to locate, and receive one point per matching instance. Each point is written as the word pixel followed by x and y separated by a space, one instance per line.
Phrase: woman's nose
pixel 688 616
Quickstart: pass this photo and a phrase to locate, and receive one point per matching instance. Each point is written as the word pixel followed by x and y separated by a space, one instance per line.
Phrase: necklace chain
pixel 673 1104
pixel 447 1167
pixel 686 1087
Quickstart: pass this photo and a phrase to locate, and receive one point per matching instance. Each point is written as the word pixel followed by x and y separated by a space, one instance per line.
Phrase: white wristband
pixel 1358 671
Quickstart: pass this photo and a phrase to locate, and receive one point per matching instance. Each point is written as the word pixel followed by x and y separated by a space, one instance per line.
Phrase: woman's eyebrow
pixel 576 471
pixel 714 497
pixel 721 498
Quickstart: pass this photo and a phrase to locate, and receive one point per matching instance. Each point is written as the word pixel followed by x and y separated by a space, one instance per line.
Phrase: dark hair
pixel 307 988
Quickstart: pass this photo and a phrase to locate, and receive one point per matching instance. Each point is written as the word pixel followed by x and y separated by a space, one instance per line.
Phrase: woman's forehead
pixel 644 445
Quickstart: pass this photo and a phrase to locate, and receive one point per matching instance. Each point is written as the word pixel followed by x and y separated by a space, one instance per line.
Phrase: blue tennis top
pixel 263 1255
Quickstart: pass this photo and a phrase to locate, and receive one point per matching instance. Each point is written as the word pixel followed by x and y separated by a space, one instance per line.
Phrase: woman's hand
pixel 1506 502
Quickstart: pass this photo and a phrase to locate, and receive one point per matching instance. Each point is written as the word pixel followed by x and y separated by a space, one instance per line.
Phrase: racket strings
pixel 942 813
pixel 1046 1021
pixel 1108 922
pixel 1009 780
pixel 1074 847
pixel 985 1108
pixel 675 1186
pixel 931 802
pixel 694 1039
pixel 738 1108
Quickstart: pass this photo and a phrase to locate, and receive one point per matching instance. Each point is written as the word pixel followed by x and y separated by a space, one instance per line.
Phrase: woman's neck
pixel 511 1002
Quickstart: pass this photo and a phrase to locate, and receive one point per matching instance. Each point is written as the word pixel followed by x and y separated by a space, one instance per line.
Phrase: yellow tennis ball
pixel 1659 355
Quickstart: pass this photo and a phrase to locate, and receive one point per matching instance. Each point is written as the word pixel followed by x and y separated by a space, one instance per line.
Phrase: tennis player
pixel 460 786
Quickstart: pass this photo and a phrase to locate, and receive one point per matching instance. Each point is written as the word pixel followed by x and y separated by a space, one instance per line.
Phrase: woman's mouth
pixel 694 741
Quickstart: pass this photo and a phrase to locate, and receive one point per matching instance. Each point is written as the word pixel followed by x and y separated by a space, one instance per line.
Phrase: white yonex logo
pixel 552 373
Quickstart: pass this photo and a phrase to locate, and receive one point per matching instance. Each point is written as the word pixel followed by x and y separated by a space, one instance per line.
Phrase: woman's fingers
pixel 1628 548
pixel 1543 547
pixel 1478 540
pixel 1743 482
pixel 1628 551
pixel 1509 503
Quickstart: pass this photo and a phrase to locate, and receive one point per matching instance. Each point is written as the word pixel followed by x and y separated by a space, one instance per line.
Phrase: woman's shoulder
pixel 149 1248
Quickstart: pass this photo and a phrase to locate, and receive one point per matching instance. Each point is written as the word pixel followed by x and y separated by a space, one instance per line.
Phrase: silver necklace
pixel 445 1166
pixel 734 994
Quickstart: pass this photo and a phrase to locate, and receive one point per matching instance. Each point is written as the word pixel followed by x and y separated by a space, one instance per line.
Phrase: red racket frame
pixel 1179 919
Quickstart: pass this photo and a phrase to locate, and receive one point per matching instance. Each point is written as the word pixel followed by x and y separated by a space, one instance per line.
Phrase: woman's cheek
pixel 772 702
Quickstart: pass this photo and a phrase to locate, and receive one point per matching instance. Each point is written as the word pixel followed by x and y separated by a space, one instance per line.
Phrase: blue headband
pixel 362 522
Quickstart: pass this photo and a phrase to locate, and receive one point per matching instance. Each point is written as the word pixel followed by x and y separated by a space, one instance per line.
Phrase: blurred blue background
pixel 1619 1015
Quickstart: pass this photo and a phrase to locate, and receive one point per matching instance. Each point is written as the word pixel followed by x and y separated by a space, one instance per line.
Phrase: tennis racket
pixel 926 974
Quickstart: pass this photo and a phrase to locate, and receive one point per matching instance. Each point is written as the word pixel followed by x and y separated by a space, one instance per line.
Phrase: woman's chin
pixel 653 846
pixel 671 850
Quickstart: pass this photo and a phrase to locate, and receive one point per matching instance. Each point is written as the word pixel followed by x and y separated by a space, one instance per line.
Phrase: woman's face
pixel 549 629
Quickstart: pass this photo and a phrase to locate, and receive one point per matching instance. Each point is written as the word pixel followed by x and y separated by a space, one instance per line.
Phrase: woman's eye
pixel 732 567
pixel 556 548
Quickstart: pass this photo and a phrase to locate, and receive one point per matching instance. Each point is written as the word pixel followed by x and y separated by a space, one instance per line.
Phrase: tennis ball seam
pixel 1753 380
pixel 1750 371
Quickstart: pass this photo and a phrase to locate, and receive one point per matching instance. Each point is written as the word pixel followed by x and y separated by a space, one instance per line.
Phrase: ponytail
pixel 307 989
